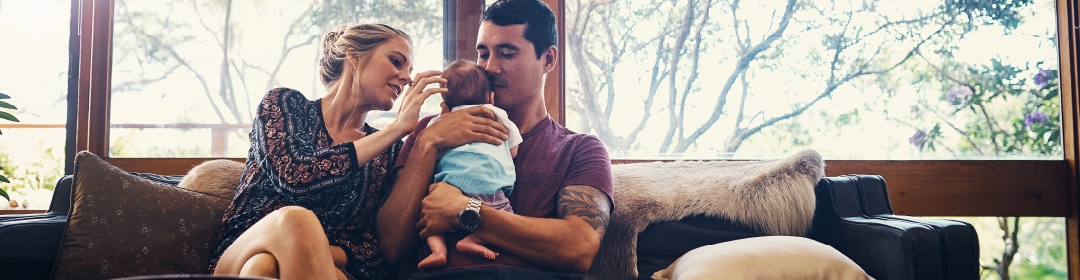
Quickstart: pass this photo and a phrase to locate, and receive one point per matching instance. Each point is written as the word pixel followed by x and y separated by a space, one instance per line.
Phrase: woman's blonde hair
pixel 361 38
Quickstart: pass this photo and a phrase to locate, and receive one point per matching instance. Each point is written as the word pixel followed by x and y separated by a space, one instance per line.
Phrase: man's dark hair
pixel 466 84
pixel 537 17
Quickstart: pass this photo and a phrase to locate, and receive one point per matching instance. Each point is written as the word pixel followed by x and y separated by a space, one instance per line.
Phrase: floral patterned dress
pixel 292 162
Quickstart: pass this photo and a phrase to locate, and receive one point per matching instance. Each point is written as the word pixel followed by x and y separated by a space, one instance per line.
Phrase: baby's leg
pixel 472 245
pixel 437 259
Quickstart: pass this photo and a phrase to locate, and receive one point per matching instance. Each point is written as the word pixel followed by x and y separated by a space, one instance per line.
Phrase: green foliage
pixel 6 116
pixel 989 12
pixel 1041 254
pixel 41 173
pixel 980 94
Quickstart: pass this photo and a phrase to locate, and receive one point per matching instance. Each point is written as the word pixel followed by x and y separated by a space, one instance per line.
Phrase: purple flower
pixel 1035 118
pixel 1043 78
pixel 959 95
pixel 918 139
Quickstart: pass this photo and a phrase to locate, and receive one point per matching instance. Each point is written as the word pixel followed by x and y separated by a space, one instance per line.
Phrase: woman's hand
pixel 413 98
pixel 473 124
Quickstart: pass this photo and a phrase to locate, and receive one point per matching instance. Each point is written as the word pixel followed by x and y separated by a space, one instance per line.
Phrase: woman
pixel 316 172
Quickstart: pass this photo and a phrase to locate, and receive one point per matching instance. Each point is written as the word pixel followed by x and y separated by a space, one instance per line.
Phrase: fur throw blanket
pixel 218 177
pixel 775 197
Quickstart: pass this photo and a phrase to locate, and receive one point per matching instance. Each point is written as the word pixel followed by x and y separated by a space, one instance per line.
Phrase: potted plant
pixel 10 117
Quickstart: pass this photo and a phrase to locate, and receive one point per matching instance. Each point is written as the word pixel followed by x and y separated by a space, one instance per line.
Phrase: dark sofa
pixel 853 215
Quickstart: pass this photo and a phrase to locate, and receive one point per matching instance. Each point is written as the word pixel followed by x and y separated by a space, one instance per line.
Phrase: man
pixel 562 197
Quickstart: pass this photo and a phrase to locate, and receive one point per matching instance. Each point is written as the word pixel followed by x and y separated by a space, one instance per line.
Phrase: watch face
pixel 469 219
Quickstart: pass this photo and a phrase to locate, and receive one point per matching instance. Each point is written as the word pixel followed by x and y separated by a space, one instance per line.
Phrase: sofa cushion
pixel 767 257
pixel 122 224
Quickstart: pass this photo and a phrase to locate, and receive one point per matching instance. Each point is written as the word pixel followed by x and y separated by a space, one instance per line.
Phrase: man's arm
pixel 396 222
pixel 569 242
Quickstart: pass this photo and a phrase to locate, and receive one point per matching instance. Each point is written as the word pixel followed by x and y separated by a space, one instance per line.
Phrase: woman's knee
pixel 298 222
pixel 294 216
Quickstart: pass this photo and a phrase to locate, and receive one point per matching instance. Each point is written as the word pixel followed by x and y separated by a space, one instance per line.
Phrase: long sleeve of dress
pixel 294 155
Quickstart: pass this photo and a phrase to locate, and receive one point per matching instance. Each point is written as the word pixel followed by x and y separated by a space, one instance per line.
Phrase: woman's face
pixel 386 73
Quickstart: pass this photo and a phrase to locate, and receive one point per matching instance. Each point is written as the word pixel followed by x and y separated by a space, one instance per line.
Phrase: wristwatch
pixel 469 218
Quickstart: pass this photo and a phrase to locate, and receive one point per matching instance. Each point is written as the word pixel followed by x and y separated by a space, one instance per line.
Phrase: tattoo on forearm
pixel 588 203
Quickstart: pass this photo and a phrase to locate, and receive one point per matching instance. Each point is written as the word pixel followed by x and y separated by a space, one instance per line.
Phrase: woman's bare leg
pixel 437 259
pixel 293 236
pixel 261 264
pixel 340 260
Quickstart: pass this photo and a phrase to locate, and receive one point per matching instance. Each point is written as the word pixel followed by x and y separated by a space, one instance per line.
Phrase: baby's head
pixel 466 83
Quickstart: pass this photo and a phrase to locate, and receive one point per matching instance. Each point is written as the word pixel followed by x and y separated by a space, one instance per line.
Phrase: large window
pixel 34 72
pixel 854 80
pixel 186 75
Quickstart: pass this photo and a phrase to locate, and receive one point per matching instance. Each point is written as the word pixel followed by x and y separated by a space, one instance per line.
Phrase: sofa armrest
pixel 31 242
pixel 61 198
pixel 61 201
pixel 885 249
pixel 959 241
pixel 30 246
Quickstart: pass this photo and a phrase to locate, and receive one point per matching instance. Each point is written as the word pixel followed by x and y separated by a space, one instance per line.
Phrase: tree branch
pixel 741 66
pixel 202 80
pixel 127 85
pixel 676 55
pixel 286 49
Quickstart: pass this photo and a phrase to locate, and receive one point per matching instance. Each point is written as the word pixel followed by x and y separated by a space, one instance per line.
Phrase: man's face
pixel 517 76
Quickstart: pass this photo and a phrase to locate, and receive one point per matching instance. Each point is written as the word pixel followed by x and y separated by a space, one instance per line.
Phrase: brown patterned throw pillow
pixel 124 225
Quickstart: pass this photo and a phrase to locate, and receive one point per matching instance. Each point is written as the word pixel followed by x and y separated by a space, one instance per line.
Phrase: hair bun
pixel 331 38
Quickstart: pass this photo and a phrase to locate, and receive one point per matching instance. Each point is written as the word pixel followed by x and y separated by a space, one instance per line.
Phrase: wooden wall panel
pixel 965 187
pixel 969 188
pixel 554 86
pixel 162 166
pixel 1068 38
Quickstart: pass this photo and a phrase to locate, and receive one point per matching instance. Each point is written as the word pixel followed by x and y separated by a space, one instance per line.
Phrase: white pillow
pixel 766 257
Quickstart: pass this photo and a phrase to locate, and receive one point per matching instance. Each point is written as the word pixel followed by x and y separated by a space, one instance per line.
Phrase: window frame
pixel 917 187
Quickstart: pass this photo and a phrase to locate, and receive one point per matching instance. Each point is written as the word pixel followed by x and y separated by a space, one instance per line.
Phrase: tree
pixel 993 109
pixel 714 64
pixel 997 111
pixel 232 54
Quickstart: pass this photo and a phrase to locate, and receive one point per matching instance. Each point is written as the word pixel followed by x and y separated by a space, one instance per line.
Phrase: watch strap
pixel 473 208
pixel 474 204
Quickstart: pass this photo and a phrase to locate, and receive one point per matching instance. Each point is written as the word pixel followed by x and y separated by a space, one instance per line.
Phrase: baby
pixel 482 171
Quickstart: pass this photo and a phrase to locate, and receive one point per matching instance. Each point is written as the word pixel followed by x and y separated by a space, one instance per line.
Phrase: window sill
pixel 21 211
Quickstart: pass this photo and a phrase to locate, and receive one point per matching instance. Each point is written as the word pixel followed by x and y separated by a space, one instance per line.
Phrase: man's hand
pixel 463 127
pixel 439 210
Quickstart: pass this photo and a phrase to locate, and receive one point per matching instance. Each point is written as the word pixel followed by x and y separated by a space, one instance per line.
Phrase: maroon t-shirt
pixel 549 158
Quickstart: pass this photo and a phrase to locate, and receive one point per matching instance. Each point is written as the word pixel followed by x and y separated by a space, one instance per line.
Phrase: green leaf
pixel 4 96
pixel 7 105
pixel 7 116
pixel 4 193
